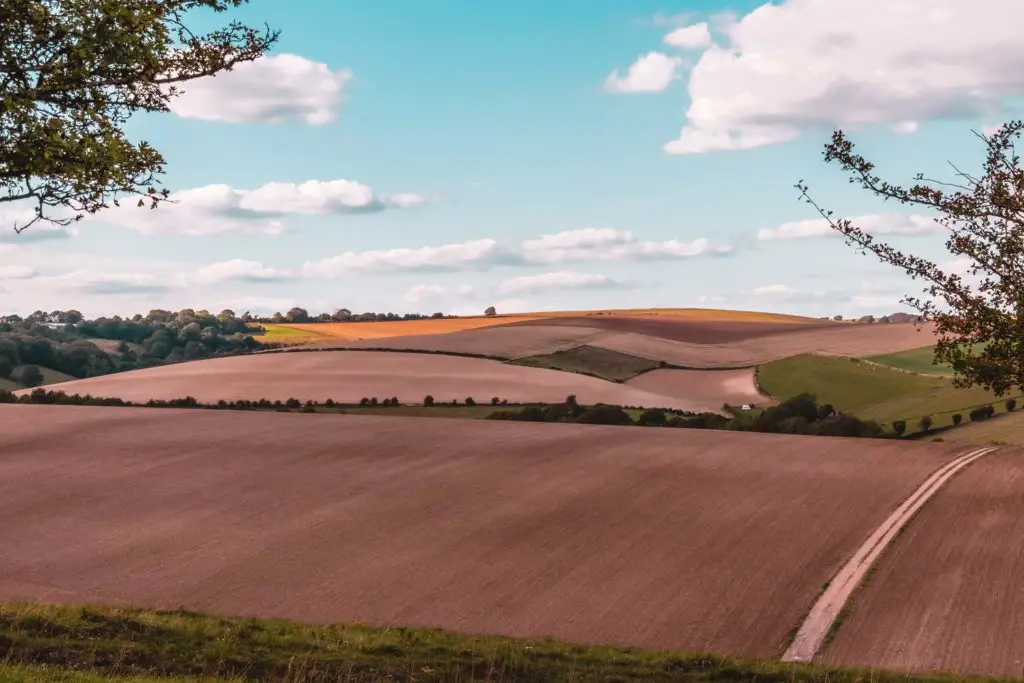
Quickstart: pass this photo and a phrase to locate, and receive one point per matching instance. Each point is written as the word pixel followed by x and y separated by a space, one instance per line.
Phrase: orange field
pixel 684 539
pixel 380 330
pixel 348 376
pixel 947 594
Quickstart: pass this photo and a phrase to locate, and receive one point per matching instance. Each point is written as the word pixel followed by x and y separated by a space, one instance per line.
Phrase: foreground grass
pixel 871 391
pixel 590 360
pixel 49 643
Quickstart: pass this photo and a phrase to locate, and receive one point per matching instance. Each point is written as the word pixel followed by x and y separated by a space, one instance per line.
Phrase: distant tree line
pixel 65 341
pixel 300 315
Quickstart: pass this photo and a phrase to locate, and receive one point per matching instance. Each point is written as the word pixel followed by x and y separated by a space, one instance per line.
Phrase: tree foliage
pixel 72 72
pixel 978 312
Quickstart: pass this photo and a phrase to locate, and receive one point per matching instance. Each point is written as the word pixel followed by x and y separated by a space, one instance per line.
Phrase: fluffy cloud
pixel 426 293
pixel 652 72
pixel 221 209
pixel 271 89
pixel 689 37
pixel 609 244
pixel 801 64
pixel 559 280
pixel 17 272
pixel 903 224
pixel 475 254
pixel 240 270
pixel 860 299
pixel 98 282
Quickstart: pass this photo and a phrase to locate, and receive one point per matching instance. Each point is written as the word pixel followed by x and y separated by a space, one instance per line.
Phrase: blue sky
pixel 468 131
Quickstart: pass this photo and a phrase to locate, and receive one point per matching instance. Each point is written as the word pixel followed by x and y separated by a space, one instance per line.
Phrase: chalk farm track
pixel 947 594
pixel 348 376
pixel 664 538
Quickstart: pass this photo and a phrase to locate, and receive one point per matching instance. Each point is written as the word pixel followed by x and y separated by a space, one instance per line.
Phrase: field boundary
pixel 823 614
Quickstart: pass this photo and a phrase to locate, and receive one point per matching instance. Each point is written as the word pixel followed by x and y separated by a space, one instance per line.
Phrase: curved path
pixel 823 614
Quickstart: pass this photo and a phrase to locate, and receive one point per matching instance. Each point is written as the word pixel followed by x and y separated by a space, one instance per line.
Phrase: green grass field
pixel 870 391
pixel 79 645
pixel 590 360
pixel 917 360
pixel 280 333
pixel 49 377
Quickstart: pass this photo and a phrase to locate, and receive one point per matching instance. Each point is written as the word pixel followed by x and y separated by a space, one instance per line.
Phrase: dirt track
pixel 715 387
pixel 661 538
pixel 349 376
pixel 947 594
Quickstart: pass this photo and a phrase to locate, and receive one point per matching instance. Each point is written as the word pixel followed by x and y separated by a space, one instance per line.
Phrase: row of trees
pixel 299 315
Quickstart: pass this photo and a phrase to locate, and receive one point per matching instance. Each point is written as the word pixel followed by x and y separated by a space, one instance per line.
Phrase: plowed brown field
pixel 947 595
pixel 519 341
pixel 348 376
pixel 664 538
pixel 690 330
pixel 716 387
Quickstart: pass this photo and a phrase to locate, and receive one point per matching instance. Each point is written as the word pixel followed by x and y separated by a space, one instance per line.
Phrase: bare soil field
pixel 850 340
pixel 497 342
pixel 716 387
pixel 690 330
pixel 663 538
pixel 348 376
pixel 947 594
pixel 519 341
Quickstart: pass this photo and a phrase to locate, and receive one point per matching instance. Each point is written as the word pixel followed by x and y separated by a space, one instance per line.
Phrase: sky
pixel 450 155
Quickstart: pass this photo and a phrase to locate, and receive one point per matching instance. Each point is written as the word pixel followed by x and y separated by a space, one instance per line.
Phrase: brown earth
pixel 519 341
pixel 716 387
pixel 661 538
pixel 947 594
pixel 348 376
pixel 692 331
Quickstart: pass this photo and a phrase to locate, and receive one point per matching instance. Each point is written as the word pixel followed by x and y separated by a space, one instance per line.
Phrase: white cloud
pixel 609 244
pixel 427 293
pixel 805 64
pixel 407 200
pixel 272 89
pixel 906 127
pixel 97 282
pixel 689 37
pixel 239 270
pixel 17 272
pixel 652 72
pixel 448 257
pixel 563 279
pixel 902 224
pixel 221 209
pixel 772 290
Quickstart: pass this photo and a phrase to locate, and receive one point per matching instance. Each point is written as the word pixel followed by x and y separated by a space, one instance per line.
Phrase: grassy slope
pixel 590 360
pixel 282 333
pixel 178 644
pixel 917 360
pixel 869 391
pixel 49 377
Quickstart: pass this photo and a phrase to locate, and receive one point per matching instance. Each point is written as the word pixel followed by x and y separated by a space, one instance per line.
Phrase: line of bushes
pixel 800 414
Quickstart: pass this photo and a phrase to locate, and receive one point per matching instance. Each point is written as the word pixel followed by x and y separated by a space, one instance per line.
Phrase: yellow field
pixel 305 332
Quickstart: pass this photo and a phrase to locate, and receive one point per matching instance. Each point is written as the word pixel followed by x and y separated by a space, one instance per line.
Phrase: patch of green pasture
pixel 870 391
pixel 918 360
pixel 126 643
pixel 590 360
pixel 283 333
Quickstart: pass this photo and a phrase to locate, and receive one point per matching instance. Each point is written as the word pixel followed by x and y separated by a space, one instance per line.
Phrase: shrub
pixel 373 400
pixel 470 401
pixel 30 376
pixel 1011 405
pixel 495 400
pixel 394 401
pixel 826 410
pixel 428 400
pixel 386 402
pixel 364 401
pixel 978 414
pixel 308 408
pixel 329 403
pixel 605 415
pixel 652 418
pixel 926 423
pixel 899 426
pixel 957 419
pixel 293 403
